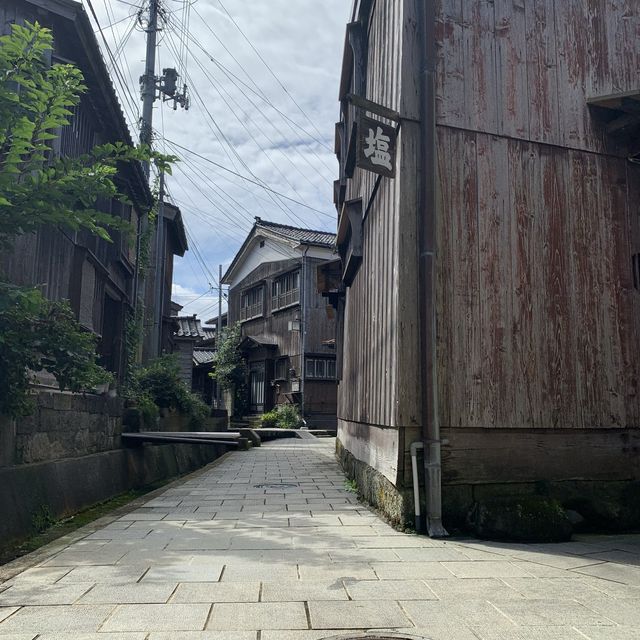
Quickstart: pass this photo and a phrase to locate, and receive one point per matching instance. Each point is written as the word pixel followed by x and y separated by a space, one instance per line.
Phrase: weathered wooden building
pixel 288 335
pixel 490 291
pixel 97 277
pixel 159 322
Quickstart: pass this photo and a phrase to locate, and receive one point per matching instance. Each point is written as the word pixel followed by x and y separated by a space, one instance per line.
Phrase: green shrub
pixel 284 416
pixel 270 419
pixel 288 417
pixel 159 385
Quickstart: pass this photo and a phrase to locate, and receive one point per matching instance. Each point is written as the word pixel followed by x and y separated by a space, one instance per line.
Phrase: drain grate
pixel 275 485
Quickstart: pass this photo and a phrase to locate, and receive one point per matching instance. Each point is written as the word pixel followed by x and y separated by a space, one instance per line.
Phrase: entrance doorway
pixel 256 387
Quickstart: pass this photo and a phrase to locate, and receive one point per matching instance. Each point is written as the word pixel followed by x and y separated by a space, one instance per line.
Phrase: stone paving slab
pixel 158 617
pixel 39 619
pixel 269 544
pixel 258 615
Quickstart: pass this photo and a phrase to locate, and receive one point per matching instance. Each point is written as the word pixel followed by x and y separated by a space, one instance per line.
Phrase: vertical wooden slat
pixel 450 76
pixel 494 230
pixel 542 71
pixel 511 68
pixel 526 356
pixel 480 66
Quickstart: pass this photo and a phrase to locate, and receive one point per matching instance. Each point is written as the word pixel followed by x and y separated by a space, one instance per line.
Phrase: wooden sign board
pixel 376 148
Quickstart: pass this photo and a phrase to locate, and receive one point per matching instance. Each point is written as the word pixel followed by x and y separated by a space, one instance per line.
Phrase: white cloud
pixel 302 42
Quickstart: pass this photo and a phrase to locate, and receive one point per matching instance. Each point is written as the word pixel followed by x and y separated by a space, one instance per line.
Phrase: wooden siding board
pixel 511 68
pixel 444 277
pixel 542 71
pixel 450 75
pixel 481 98
pixel 588 289
pixel 494 222
pixel 622 331
pixel 464 295
pixel 517 456
pixel 526 292
pixel 557 321
pixel 575 53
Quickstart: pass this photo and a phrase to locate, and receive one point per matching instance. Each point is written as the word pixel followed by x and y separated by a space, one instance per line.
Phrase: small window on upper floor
pixel 321 368
pixel 282 369
pixel 285 291
pixel 252 303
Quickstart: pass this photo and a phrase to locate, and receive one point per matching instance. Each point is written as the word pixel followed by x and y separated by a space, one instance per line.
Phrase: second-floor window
pixel 321 368
pixel 252 303
pixel 285 290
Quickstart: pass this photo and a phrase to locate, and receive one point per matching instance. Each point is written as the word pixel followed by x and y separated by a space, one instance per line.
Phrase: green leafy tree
pixel 230 368
pixel 37 334
pixel 38 189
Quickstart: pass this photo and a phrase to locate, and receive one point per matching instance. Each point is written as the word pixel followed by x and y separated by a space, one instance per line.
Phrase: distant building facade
pixel 488 294
pixel 288 333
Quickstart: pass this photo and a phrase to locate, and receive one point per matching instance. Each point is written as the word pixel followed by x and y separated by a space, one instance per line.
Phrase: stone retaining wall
pixel 66 425
pixel 68 456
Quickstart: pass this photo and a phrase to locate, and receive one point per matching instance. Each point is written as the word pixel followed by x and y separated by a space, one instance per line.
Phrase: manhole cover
pixel 275 485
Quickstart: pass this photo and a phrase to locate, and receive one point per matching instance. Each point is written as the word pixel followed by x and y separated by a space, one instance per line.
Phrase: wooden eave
pixel 347 65
pixel 621 111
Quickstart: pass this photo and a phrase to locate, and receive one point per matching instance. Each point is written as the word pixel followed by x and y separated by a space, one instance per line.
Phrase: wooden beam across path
pixel 184 438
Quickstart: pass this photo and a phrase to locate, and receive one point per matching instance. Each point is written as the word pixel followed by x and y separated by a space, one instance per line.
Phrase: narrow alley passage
pixel 270 545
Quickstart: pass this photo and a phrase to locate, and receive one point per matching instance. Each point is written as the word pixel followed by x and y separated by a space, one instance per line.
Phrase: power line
pixel 264 62
pixel 285 209
pixel 239 175
pixel 269 122
pixel 119 77
pixel 257 91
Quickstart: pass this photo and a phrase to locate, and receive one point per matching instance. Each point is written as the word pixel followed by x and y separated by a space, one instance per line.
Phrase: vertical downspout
pixel 427 226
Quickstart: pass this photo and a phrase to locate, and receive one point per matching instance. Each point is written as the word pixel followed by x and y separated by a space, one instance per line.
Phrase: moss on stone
pixel 523 518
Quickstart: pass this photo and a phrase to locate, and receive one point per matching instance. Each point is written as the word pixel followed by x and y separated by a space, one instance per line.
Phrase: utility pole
pixel 219 332
pixel 148 80
pixel 153 88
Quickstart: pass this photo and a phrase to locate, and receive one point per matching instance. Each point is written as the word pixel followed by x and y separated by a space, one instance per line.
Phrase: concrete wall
pixel 68 456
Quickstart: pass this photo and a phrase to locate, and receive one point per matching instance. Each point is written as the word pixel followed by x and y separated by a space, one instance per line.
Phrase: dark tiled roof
pixel 188 327
pixel 203 356
pixel 310 236
pixel 209 333
pixel 258 341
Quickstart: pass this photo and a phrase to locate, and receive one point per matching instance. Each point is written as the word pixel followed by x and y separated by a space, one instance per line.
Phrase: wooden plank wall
pixel 525 68
pixel 369 387
pixel 378 396
pixel 538 318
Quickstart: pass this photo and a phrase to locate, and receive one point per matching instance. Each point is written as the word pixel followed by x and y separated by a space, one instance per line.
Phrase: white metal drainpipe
pixel 415 446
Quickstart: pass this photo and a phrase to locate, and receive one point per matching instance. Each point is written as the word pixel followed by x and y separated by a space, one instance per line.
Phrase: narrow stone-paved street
pixel 269 545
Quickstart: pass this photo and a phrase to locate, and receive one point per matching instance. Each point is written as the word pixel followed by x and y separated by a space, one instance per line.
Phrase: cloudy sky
pixel 263 82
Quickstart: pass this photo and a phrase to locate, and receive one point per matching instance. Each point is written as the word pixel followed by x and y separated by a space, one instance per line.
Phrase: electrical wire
pixel 271 71
pixel 283 206
pixel 266 188
pixel 257 91
pixel 126 92
pixel 219 87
